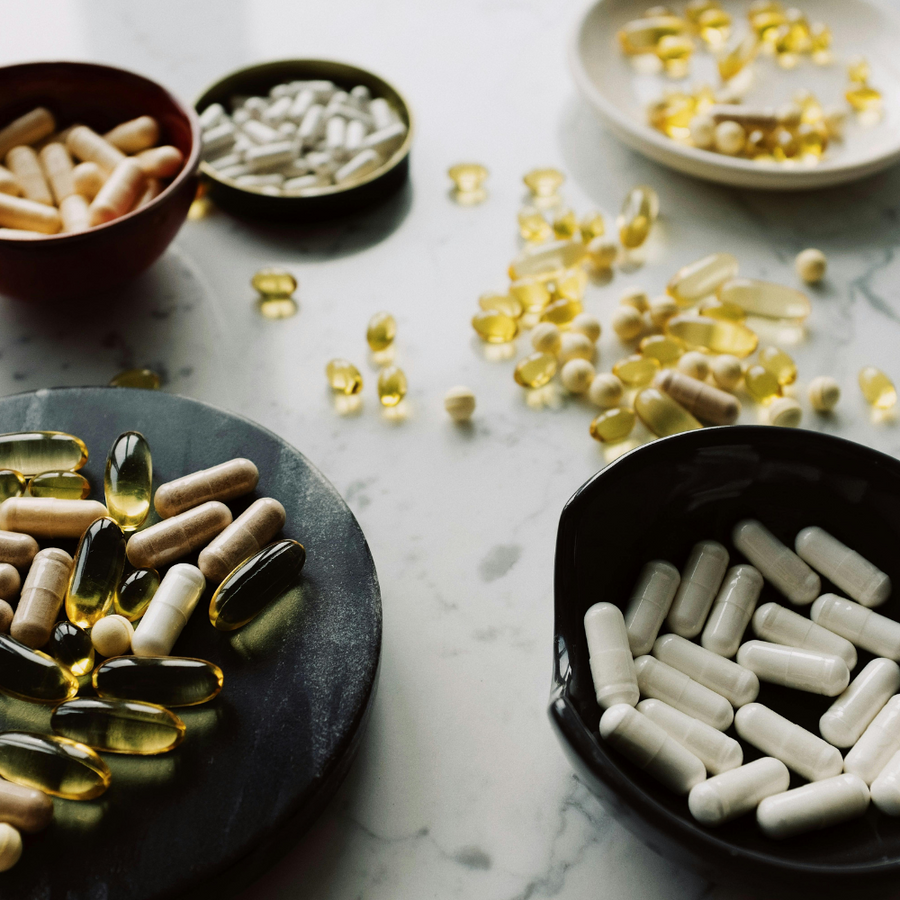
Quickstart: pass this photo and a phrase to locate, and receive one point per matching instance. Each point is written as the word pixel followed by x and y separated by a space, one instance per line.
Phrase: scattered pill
pixel 32 675
pixel 459 402
pixel 785 412
pixel 392 385
pixel 765 298
pixel 639 212
pixel 726 371
pixel 662 309
pixel 636 370
pixel 42 597
pixel 169 610
pixel 694 364
pixel 25 809
pixel 536 370
pixel 635 298
pixel 546 338
pixel 713 335
pixel 381 331
pixel 574 345
pixel 344 377
pixel 810 265
pixel 128 480
pixel 587 325
pixel 613 425
pixel 877 388
pixel 627 323
pixel 703 400
pixel 606 390
pixel 824 393
pixel 577 375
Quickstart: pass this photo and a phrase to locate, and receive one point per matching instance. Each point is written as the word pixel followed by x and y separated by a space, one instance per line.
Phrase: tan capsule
pixel 9 184
pixel 134 135
pixel 10 846
pixel 703 400
pixel 177 536
pixel 25 808
pixel 86 145
pixel 10 582
pixel 151 192
pixel 88 178
pixel 58 167
pixel 17 212
pixel 119 194
pixel 75 214
pixel 27 129
pixel 23 162
pixel 222 482
pixel 17 549
pixel 246 535
pixel 160 162
pixel 42 597
pixel 49 517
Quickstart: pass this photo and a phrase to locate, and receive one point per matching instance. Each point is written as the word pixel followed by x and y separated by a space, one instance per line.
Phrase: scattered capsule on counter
pixel 41 451
pixel 128 480
pixel 779 364
pixel 694 364
pixel 392 385
pixel 468 180
pixel 714 335
pixel 71 646
pixel 495 327
pixel 172 538
pixel 627 323
pixel 613 425
pixel 381 331
pixel 661 414
pixel 606 390
pixel 144 379
pixel 546 338
pixel 459 402
pixel 785 412
pixel 544 182
pixel 225 481
pixel 344 377
pixel 702 278
pixel 551 257
pixel 592 226
pixel 810 265
pixel 533 227
pixel 165 681
pixel 713 308
pixel 99 562
pixel 638 215
pixel 577 375
pixel 765 298
pixel 636 370
pixel 726 371
pixel 824 393
pixel 565 224
pixel 562 312
pixel 664 349
pixel 761 384
pixel 703 400
pixel 536 370
pixel 876 387
pixel 661 310
pixel 43 595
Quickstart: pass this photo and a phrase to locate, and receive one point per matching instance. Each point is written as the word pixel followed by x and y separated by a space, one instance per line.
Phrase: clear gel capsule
pixel 63 485
pixel 649 604
pixel 12 484
pixel 732 609
pixel 71 646
pixel 779 364
pixel 879 742
pixel 31 675
pixel 876 387
pixel 779 565
pixel 714 335
pixel 738 791
pixel 706 402
pixel 849 716
pixel 135 592
pixel 648 746
pixel 735 683
pixel 541 259
pixel 863 627
pixel 661 414
pixel 169 610
pixel 849 571
pixel 765 298
pixel 612 665
pixel 639 212
pixel 800 750
pixel 701 278
pixel 885 788
pixel 804 670
pixel 700 581
pixel 31 452
pixel 164 680
pixel 780 625
pixel 813 807
pixel 128 480
pixel 642 35
pixel 661 682
pixel 99 561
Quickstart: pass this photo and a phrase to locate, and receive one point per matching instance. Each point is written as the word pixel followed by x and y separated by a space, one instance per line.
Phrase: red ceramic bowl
pixel 70 266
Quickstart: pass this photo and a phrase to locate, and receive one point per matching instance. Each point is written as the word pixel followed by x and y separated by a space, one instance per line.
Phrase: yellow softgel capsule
pixel 274 282
pixel 532 292
pixel 592 226
pixel 715 26
pixel 699 279
pixel 738 57
pixel 820 38
pixel 391 385
pixel 533 227
pixel 561 312
pixel 543 182
pixel 675 48
pixel 673 115
pixel 858 70
pixel 664 349
pixel 343 377
pixel 542 259
pixel 128 481
pixel 495 327
pixel 765 298
pixel 642 35
pixel 381 331
pixel 99 562
pixel 779 364
pixel 565 224
pixel 863 98
pixel 164 680
pixel 639 212
pixel 613 425
pixel 62 484
pixel 71 646
pixel 535 370
pixel 134 593
pixel 32 675
pixel 712 308
pixel 12 484
pixel 31 452
pixel 502 303
pixel 144 379
pixel 761 384
pixel 714 335
pixel 877 388
pixel 468 178
pixel 571 284
pixel 636 370
pixel 661 414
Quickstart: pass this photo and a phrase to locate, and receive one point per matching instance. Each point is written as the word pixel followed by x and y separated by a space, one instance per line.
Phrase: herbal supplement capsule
pixel 42 597
pixel 848 717
pixel 31 675
pixel 118 194
pixel 714 335
pixel 17 549
pixel 576 376
pixel 699 279
pixel 179 535
pixel 460 403
pixel 606 391
pixel 87 146
pixel 662 309
pixel 225 481
pixel 863 627
pixel 612 665
pixel 23 162
pixel 738 57
pixel 169 611
pixel 700 581
pixel 642 35
pixel 9 184
pixel 737 684
pixel 845 568
pixel 166 681
pixel 47 517
pixel 879 742
pixel 726 371
pixel 41 451
pixel 540 259
pixel 58 167
pixel 23 808
pixel 813 806
pixel 344 377
pixel 543 182
pixel 533 227
pixel 574 346
pixel 876 387
pixel 694 364
pixel 587 325
pixel 134 135
pixel 732 610
pixel 562 312
pixel 10 582
pixel 144 379
pixel 71 647
pixel 27 216
pixel 53 765
pixel 27 129
pixel 112 635
pixel 738 791
pixel 805 670
pixel 135 592
pixel 649 604
pixel 502 303
pixel 779 625
pixel 495 327
pixel 627 323
pixel 164 162
pixel 661 414
pixel 782 567
pixel 703 400
pixel 650 748
pixel 613 425
pixel 381 331
pixel 885 789
pixel 391 385
pixel 63 485
pixel 715 750
pixel 662 348
pixel 636 370
pixel 99 561
pixel 531 292
pixel 824 393
pixel 661 682
pixel 639 212
pixel 535 370
pixel 12 484
pixel 87 179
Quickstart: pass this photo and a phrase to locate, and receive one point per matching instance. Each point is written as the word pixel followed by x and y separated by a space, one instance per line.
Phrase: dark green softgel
pixel 164 680
pixel 32 675
pixel 255 583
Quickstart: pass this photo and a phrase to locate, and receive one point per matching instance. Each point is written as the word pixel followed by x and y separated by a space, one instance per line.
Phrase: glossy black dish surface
pixel 258 762
pixel 656 502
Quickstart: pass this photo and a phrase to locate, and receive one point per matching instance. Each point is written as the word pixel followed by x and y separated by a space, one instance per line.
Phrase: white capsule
pixel 700 581
pixel 861 626
pixel 259 132
pixel 612 665
pixel 735 683
pixel 879 742
pixel 300 105
pixel 241 116
pixel 277 112
pixel 337 99
pixel 288 129
pixel 779 565
pixel 813 806
pixel 270 179
pixel 651 749
pixel 256 106
pixel 302 183
pixel 849 571
pixel 849 716
pixel 270 156
pixel 320 163
pixel 780 625
pixel 732 609
pixel 322 88
pixel 312 126
pixel 800 750
pixel 227 161
pixel 649 604
pixel 361 94
pixel 381 112
pixel 169 610
pixel 386 140
pixel 212 116
pixel 364 163
pixel 235 172
pixel 351 112
pixel 804 670
pixel 219 139
pixel 715 750
pixel 335 134
pixel 885 788
pixel 661 682
pixel 356 132
pixel 738 791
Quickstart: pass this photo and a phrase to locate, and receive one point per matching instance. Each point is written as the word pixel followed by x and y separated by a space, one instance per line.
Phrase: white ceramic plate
pixel 620 94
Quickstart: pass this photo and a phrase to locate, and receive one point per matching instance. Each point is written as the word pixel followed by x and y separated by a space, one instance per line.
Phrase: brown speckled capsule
pixel 25 808
pixel 10 581
pixel 246 535
pixel 49 517
pixel 17 549
pixel 42 597
pixel 705 401
pixel 223 482
pixel 169 540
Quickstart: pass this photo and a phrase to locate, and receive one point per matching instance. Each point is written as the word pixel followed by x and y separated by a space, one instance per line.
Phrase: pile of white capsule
pixel 304 136
pixel 693 692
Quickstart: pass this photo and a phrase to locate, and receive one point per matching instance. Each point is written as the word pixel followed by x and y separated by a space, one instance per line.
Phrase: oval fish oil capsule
pixel 885 788
pixel 42 597
pixel 861 626
pixel 381 331
pixel 876 387
pixel 848 717
pixel 732 610
pixel 343 377
pixel 700 581
pixel 12 484
pixel 661 682
pixel 222 482
pixel 612 665
pixel 169 540
pixel 849 571
pixel 99 562
pixel 258 581
pixel 128 481
pixel 166 681
pixel 169 611
pixel 17 549
pixel 879 742
pixel 648 746
pixel 804 670
pixel 62 485
pixel 71 647
pixel 779 565
pixel 735 683
pixel 542 259
pixel 701 278
pixel 706 402
pixel 738 791
pixel 118 726
pixel 135 592
pixel 30 452
pixel 716 751
pixel 48 517
pixel 662 415
pixel 813 806
pixel 392 385
pixel 780 625
pixel 714 335
pixel 639 212
pixel 25 808
pixel 649 604
pixel 765 298
pixel 536 370
pixel 32 675
pixel 495 327
pixel 53 765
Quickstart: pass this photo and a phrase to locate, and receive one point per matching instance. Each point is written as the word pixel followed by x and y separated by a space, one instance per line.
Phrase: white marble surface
pixel 460 788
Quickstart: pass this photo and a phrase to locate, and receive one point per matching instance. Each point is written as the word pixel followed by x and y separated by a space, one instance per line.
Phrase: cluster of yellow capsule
pixel 115 606
pixel 275 288
pixel 864 98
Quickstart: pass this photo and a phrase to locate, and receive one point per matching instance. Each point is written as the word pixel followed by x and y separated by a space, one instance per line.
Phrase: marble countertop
pixel 460 789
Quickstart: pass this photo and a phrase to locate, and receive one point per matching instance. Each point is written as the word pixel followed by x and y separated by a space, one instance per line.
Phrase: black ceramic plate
pixel 258 762
pixel 656 502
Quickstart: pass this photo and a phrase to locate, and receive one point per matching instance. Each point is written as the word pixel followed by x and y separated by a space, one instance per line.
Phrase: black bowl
pixel 656 502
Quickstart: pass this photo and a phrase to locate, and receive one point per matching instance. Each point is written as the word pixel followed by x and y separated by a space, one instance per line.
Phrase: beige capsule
pixel 134 135
pixel 119 194
pixel 85 144
pixel 25 808
pixel 49 517
pixel 23 162
pixel 17 212
pixel 75 214
pixel 27 129
pixel 58 168
pixel 42 597
pixel 169 540
pixel 160 162
pixel 151 192
pixel 10 846
pixel 10 582
pixel 705 401
pixel 222 482
pixel 8 183
pixel 88 178
pixel 17 549
pixel 246 535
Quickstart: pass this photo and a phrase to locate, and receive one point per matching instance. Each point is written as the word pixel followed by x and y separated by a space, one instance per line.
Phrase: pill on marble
pixel 49 517
pixel 169 610
pixel 42 597
pixel 700 581
pixel 87 179
pixel 574 346
pixel 17 549
pixel 738 791
pixel 701 278
pixel 885 789
pixel 824 393
pixel 27 129
pixel 810 265
pixel 732 610
pixel 813 806
pixel 606 390
pixel 800 750
pixel 879 742
pixel 25 808
pixel 804 670
pixel 177 536
pixel 662 682
pixel 779 625
pixel 726 371
pixel 459 402
pixel 695 364
pixel 651 749
pixel 649 604
pixel 112 636
pixel 853 711
pixel 86 145
pixel 612 665
pixel 225 481
pixel 703 400
pixel 26 215
pixel 119 193
pixel 24 163
pixel 160 162
pixel 779 565
pixel 861 626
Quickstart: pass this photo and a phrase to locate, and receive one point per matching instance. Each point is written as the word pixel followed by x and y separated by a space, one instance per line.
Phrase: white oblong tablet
pixel 612 665
pixel 844 722
pixel 649 604
pixel 731 794
pixel 813 806
pixel 700 582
